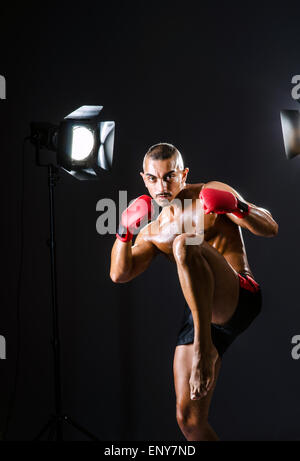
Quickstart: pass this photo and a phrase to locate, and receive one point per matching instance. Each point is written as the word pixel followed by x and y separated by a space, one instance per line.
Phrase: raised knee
pixel 183 252
pixel 189 421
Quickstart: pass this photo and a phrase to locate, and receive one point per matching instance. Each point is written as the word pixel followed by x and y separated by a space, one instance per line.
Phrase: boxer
pixel 221 294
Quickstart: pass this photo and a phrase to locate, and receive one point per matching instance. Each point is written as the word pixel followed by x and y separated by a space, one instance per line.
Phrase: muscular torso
pixel 219 231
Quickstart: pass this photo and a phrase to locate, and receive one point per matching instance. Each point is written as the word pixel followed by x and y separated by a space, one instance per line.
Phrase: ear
pixel 184 176
pixel 143 176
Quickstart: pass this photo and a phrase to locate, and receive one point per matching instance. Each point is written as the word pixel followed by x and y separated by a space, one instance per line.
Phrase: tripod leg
pixel 59 432
pixel 81 428
pixel 51 433
pixel 48 425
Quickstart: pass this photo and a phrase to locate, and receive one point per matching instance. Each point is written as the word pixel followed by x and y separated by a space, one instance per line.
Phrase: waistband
pixel 248 283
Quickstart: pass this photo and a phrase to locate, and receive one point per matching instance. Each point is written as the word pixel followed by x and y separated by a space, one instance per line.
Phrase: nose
pixel 162 187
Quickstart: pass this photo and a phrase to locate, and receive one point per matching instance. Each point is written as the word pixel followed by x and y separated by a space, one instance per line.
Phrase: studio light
pixel 290 123
pixel 82 143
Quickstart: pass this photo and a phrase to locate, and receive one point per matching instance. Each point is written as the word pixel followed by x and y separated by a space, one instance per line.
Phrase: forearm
pixel 259 221
pixel 121 261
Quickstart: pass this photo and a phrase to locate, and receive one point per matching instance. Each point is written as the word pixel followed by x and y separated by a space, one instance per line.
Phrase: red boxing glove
pixel 221 201
pixel 138 210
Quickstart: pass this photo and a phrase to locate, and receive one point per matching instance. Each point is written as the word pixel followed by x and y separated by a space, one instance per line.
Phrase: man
pixel 219 288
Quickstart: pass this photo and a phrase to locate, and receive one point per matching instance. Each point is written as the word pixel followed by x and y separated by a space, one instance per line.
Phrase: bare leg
pixel 192 415
pixel 198 267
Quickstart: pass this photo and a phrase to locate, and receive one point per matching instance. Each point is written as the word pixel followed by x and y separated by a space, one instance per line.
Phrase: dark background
pixel 211 81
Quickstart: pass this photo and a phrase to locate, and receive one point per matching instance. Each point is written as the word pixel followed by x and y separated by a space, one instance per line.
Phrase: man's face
pixel 163 179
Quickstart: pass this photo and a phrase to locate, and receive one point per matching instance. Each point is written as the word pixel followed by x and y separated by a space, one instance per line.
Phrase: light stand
pixel 51 137
pixel 54 425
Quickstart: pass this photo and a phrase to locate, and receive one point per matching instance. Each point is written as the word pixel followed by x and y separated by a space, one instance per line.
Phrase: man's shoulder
pixel 209 183
pixel 194 187
pixel 214 182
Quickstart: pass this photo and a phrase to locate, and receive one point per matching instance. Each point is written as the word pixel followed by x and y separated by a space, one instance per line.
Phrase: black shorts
pixel 248 307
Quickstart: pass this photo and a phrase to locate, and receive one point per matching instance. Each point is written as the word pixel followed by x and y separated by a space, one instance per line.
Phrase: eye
pixel 171 175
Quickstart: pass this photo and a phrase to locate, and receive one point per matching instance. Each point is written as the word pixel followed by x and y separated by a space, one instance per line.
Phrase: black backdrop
pixel 212 81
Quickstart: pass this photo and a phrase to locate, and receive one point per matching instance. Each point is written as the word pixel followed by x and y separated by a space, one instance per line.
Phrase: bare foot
pixel 203 373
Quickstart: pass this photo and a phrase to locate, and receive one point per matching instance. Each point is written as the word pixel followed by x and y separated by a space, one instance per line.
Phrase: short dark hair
pixel 163 151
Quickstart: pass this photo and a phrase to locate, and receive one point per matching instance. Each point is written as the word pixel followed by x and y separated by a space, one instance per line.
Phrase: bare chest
pixel 191 220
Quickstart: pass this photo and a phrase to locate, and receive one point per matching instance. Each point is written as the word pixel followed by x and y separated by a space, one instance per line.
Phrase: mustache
pixel 167 194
